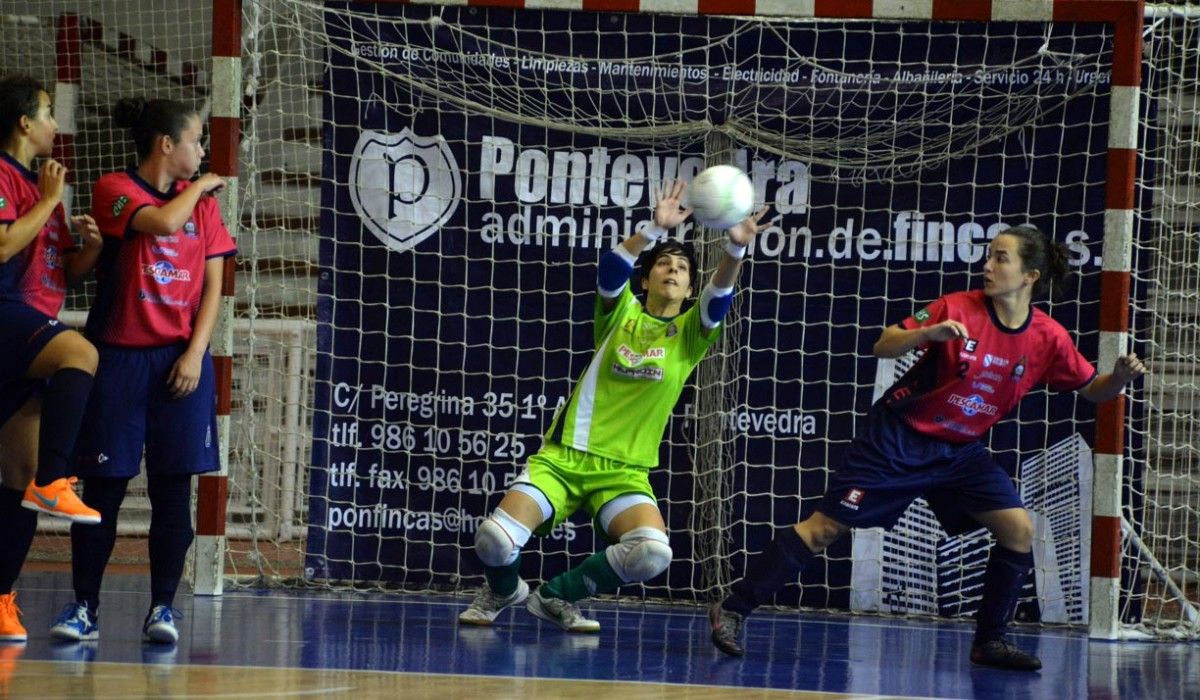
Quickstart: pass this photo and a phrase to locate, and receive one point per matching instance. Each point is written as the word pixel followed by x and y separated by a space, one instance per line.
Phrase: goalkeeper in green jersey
pixel 602 444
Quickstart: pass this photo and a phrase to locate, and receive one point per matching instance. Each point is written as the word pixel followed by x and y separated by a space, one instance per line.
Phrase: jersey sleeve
pixel 8 202
pixel 934 313
pixel 1070 370
pixel 218 243
pixel 113 206
pixel 603 322
pixel 699 339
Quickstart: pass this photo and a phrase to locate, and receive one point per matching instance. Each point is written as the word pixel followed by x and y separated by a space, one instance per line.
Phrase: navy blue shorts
pixel 890 465
pixel 131 408
pixel 24 333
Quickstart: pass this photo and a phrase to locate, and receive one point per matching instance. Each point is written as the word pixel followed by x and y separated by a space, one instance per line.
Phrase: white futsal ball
pixel 721 196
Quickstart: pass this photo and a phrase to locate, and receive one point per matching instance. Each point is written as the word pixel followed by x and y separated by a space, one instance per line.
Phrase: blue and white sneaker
pixel 159 626
pixel 76 623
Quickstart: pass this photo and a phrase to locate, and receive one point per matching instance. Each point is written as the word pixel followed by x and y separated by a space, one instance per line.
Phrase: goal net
pixel 426 191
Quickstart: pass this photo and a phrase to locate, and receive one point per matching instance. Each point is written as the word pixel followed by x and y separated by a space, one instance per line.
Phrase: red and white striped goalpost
pixel 208 563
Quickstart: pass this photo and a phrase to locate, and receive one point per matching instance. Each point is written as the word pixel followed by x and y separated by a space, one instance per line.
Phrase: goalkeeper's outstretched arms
pixel 717 295
pixel 616 267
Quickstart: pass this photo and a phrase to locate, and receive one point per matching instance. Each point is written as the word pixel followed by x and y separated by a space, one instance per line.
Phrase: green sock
pixel 593 576
pixel 503 579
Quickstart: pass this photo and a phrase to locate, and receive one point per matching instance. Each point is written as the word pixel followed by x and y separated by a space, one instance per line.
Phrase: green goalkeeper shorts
pixel 571 479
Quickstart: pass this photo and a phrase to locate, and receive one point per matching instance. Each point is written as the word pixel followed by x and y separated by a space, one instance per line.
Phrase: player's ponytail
pixel 1040 253
pixel 18 98
pixel 147 120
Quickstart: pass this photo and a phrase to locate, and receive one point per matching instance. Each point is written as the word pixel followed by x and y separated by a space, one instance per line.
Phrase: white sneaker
pixel 487 605
pixel 562 613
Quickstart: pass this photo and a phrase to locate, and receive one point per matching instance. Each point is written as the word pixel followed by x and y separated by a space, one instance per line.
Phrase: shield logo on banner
pixel 403 186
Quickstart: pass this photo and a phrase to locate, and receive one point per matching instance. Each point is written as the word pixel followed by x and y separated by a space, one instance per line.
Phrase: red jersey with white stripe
pixel 149 287
pixel 35 275
pixel 960 388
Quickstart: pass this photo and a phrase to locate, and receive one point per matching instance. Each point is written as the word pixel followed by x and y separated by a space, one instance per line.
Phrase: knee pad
pixel 642 554
pixel 499 539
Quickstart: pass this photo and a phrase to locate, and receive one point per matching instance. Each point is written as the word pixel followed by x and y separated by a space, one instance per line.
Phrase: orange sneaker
pixel 58 498
pixel 11 629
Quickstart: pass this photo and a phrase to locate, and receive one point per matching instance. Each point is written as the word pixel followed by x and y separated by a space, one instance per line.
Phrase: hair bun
pixel 128 110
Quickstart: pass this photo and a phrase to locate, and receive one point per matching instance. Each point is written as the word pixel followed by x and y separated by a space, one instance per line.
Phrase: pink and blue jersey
pixel 960 388
pixel 35 276
pixel 149 287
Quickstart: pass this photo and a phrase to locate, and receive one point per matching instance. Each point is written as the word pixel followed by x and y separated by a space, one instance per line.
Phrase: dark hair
pixel 650 256
pixel 146 120
pixel 18 98
pixel 1040 253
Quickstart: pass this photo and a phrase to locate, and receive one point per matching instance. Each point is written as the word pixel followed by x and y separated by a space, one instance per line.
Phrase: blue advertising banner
pixel 477 166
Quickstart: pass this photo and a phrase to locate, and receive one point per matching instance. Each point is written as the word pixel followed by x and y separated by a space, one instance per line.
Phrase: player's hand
pixel 1128 368
pixel 87 229
pixel 185 375
pixel 670 212
pixel 744 231
pixel 210 183
pixel 946 330
pixel 52 179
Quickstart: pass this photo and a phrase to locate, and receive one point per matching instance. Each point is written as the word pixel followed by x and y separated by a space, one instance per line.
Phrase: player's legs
pixel 68 362
pixel 498 542
pixel 1009 565
pixel 884 469
pixel 170 536
pixel 18 461
pixel 91 547
pixel 640 551
pixel 773 568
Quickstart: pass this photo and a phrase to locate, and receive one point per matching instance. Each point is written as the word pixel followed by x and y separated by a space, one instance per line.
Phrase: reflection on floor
pixel 252 644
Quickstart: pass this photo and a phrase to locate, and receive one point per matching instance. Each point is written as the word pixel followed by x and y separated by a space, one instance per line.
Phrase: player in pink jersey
pixel 46 370
pixel 984 350
pixel 158 292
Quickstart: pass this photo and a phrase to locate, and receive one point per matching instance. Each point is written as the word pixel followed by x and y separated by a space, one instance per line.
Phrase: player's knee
pixel 642 554
pixel 499 539
pixel 1019 533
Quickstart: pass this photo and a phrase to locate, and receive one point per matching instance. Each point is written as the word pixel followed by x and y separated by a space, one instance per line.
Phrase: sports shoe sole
pixel 534 605
pixel 66 634
pixel 160 636
pixel 81 519
pixel 465 618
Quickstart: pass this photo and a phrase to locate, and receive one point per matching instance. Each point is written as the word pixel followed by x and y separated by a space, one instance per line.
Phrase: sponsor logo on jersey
pixel 922 316
pixel 51 257
pixel 164 272
pixel 671 329
pixel 853 498
pixel 1018 369
pixel 3 203
pixel 169 252
pixel 654 374
pixel 990 359
pixel 634 358
pixel 970 344
pixel 985 374
pixel 983 386
pixel 119 205
pixel 972 404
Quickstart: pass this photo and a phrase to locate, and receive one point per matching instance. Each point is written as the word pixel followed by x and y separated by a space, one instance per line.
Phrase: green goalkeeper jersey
pixel 621 404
